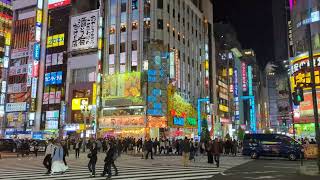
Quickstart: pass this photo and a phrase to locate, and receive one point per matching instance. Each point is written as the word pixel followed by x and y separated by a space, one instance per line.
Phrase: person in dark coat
pixel 149 146
pixel 93 159
pixel 65 152
pixel 209 150
pixel 216 151
pixel 109 161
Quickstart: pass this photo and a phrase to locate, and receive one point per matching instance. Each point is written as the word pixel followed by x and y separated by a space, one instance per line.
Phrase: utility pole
pixel 314 92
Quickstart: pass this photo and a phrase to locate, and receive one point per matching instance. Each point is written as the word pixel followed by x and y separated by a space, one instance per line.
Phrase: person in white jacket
pixel 47 162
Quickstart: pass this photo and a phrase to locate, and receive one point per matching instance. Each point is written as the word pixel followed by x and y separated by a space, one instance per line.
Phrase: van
pixel 271 145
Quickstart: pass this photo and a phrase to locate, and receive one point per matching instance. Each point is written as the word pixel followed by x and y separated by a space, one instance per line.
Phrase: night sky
pixel 253 22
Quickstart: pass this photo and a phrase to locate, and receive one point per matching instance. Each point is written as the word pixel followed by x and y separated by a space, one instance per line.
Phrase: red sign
pixel 304 112
pixel 58 3
pixel 35 69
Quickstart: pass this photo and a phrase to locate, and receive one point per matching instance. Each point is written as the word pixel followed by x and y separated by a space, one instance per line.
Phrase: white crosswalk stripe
pixel 132 168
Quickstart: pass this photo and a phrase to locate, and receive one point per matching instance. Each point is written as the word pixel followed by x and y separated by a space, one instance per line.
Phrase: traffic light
pixel 297 95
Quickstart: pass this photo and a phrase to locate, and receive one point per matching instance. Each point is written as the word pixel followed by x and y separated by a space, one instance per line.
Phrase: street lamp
pixel 85 110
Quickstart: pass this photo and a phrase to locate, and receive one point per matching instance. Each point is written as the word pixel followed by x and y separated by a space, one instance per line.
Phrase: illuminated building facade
pixel 5 43
pixel 303 12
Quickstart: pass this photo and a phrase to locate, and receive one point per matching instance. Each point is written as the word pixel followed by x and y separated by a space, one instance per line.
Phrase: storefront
pixel 122 126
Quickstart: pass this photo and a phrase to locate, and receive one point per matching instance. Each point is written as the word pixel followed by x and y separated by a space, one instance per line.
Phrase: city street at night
pixel 160 89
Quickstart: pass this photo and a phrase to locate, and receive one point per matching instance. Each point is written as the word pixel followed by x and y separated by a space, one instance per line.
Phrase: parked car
pixel 42 145
pixel 272 145
pixel 8 145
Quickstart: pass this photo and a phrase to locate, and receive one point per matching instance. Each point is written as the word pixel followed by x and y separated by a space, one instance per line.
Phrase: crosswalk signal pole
pixel 314 93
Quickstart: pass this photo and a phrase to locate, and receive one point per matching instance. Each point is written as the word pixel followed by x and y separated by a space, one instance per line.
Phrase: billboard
pixel 57 3
pixel 84 31
pixel 122 85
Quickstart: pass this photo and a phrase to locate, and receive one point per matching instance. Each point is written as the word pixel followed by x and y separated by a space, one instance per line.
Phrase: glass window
pixel 134 4
pixel 160 24
pixel 111 49
pixel 122 47
pixel 173 13
pixel 134 45
pixel 160 4
pixel 168 8
pixel 123 28
pixel 134 25
pixel 123 7
pixel 83 75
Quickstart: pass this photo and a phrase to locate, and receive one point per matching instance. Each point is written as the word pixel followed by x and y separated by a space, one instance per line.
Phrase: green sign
pixel 192 121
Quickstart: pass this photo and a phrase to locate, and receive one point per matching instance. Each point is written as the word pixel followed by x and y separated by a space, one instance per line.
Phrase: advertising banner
pixel 122 85
pixel 84 31
pixel 14 107
pixel 121 121
pixel 19 53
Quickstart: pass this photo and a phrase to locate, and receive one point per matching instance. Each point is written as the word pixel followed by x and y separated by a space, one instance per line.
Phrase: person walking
pixel 77 148
pixel 149 146
pixel 109 161
pixel 65 152
pixel 216 151
pixel 185 151
pixel 47 162
pixel 155 145
pixel 36 148
pixel 209 150
pixel 93 159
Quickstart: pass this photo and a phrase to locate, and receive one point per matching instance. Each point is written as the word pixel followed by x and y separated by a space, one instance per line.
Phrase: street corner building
pixel 107 68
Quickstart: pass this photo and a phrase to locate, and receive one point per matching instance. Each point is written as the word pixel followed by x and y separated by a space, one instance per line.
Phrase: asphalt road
pixel 267 169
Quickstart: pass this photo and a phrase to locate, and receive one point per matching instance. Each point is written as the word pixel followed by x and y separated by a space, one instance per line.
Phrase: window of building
pixel 168 27
pixel 178 36
pixel 178 17
pixel 183 21
pixel 134 26
pixel 160 24
pixel 122 47
pixel 196 33
pixel 83 75
pixel 111 49
pixel 122 68
pixel 123 28
pixel 160 4
pixel 168 8
pixel 173 13
pixel 134 68
pixel 173 33
pixel 123 7
pixel 134 45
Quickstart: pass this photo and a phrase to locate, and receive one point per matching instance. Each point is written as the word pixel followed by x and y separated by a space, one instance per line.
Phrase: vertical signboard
pixel 244 76
pixel 236 95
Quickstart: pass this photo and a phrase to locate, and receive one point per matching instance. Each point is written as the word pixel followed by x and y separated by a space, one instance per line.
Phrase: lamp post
pixel 85 110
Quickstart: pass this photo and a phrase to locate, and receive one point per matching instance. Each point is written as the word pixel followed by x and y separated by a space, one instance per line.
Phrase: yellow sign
pixel 39 16
pixel 303 79
pixel 223 108
pixel 76 103
pixel 8 39
pixel 94 93
pixel 206 64
pixel 310 151
pixel 55 41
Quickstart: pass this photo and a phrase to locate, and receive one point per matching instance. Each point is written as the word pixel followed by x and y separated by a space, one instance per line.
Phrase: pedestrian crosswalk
pixel 129 168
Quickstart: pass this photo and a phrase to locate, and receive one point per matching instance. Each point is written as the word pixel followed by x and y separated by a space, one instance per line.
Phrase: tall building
pixel 302 13
pixel 5 43
pixel 112 67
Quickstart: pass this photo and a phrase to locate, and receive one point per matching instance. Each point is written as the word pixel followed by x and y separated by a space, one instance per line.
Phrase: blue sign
pixel 152 78
pixel 47 79
pixel 178 121
pixel 156 92
pixel 59 77
pixel 157 106
pixel 154 112
pixel 36 51
pixel 53 78
pixel 152 98
pixel 152 72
